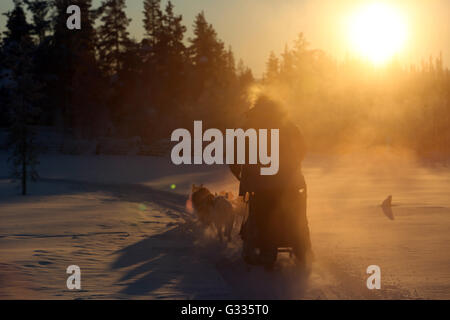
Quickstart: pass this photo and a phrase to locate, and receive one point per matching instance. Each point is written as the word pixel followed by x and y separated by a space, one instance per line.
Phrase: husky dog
pixel 213 210
pixel 202 202
pixel 240 207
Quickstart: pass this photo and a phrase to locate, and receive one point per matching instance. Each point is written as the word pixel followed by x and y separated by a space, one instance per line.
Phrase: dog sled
pixel 275 224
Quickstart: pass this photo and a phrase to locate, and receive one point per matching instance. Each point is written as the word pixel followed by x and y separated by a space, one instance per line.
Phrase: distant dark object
pixel 387 207
pixel 387 202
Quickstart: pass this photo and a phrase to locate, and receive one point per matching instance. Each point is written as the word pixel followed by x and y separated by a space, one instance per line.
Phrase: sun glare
pixel 377 32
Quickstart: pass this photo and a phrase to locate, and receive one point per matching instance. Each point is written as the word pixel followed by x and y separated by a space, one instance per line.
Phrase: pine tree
pixel 245 75
pixel 287 65
pixel 214 85
pixel 170 49
pixel 152 20
pixel 230 67
pixel 74 40
pixel 71 53
pixel 152 24
pixel 206 48
pixel 272 68
pixel 301 56
pixel 18 29
pixel 23 93
pixel 41 23
pixel 206 52
pixel 113 35
pixel 166 62
pixel 175 32
pixel 23 115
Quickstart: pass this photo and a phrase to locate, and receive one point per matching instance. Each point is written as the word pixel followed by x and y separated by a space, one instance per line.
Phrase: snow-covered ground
pixel 119 220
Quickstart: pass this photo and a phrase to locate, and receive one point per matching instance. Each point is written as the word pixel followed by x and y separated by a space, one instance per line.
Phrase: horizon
pixel 254 44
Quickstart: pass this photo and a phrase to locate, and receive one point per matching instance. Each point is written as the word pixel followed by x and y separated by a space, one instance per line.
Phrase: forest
pixel 99 81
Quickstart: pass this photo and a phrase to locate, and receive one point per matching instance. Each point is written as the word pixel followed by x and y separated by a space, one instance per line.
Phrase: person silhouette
pixel 277 203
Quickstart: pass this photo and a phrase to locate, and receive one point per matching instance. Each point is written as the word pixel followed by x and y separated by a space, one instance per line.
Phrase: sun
pixel 377 32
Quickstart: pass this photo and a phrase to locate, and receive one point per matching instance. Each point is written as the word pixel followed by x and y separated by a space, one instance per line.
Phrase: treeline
pixel 99 81
pixel 350 104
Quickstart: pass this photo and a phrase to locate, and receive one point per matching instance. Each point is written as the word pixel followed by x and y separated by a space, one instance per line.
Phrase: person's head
pixel 266 113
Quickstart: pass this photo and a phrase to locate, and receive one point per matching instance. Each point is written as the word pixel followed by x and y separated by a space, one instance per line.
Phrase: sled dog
pixel 213 210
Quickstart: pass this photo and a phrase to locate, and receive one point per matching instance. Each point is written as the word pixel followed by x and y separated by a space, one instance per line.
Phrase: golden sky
pixel 255 27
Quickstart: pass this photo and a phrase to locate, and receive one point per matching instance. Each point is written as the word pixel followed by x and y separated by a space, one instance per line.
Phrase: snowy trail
pixel 118 219
pixel 180 260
